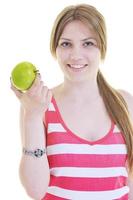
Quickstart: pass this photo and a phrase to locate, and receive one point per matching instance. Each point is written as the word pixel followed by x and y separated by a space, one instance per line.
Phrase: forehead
pixel 78 29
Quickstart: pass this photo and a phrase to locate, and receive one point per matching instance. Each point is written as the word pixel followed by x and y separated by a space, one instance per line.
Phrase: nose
pixel 76 54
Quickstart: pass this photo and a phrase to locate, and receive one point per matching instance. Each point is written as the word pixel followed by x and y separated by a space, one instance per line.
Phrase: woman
pixel 84 123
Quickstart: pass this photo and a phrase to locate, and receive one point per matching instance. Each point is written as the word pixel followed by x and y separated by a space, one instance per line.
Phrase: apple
pixel 23 75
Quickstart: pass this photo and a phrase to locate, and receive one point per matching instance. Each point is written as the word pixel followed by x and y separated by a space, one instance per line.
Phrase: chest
pixel 90 123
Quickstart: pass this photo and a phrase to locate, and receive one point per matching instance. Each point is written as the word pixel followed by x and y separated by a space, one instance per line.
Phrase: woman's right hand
pixel 36 99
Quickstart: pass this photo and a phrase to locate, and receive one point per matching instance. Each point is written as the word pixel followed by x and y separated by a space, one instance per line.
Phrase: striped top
pixel 81 169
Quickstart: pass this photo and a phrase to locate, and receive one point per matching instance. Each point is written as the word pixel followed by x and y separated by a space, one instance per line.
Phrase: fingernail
pixel 39 74
pixel 10 80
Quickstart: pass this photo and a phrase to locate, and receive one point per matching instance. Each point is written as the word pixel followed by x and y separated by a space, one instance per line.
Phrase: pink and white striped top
pixel 84 170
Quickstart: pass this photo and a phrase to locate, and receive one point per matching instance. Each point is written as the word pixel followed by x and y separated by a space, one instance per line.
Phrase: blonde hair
pixel 113 100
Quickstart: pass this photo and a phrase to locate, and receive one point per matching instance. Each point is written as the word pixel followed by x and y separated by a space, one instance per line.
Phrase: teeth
pixel 76 66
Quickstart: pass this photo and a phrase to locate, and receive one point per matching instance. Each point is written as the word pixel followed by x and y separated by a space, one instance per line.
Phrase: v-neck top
pixel 82 169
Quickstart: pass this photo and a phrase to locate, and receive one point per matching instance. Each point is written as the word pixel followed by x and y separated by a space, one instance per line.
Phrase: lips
pixel 77 66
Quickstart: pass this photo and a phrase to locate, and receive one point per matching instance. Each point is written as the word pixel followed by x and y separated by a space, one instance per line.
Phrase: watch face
pixel 38 153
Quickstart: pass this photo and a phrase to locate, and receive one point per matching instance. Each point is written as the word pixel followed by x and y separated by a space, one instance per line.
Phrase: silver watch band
pixel 35 153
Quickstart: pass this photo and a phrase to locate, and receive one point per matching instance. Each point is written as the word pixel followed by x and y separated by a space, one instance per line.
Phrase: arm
pixel 130 184
pixel 34 172
pixel 129 100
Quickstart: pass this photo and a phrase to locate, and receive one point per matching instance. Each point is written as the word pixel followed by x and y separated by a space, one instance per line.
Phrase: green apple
pixel 23 75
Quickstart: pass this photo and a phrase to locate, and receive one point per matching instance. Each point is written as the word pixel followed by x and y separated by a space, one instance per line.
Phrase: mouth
pixel 77 66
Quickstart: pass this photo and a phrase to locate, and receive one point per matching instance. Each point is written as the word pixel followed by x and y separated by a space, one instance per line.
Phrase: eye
pixel 89 43
pixel 65 44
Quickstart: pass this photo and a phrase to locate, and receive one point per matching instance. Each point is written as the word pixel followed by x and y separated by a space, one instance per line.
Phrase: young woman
pixel 79 133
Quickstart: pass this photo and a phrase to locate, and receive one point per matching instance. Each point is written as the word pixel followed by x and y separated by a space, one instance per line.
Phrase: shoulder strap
pixel 50 113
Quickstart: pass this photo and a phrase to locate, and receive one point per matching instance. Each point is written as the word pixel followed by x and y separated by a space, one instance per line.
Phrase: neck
pixel 81 91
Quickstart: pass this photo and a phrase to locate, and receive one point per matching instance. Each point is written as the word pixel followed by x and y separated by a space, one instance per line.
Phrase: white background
pixel 25 27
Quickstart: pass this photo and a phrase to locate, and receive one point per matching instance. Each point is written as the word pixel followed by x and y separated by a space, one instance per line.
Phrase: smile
pixel 77 66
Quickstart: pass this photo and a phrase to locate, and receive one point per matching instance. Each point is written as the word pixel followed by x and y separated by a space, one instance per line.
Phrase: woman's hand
pixel 36 99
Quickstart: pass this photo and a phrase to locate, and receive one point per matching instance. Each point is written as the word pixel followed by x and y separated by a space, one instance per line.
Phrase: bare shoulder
pixel 128 97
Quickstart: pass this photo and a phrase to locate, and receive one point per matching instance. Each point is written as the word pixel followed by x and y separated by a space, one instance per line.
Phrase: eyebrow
pixel 81 40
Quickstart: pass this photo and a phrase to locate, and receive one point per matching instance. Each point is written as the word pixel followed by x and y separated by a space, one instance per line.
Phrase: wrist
pixel 35 153
pixel 32 114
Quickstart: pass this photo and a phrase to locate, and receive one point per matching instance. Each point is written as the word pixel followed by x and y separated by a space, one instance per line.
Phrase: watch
pixel 35 153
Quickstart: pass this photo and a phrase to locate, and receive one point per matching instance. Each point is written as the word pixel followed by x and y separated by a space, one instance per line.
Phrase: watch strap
pixel 35 153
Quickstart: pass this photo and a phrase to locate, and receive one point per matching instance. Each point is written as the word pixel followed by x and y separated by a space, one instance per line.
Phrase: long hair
pixel 114 102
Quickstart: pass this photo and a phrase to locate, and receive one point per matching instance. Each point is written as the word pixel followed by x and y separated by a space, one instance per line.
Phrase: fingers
pixel 35 86
pixel 40 87
pixel 37 89
pixel 37 80
pixel 17 92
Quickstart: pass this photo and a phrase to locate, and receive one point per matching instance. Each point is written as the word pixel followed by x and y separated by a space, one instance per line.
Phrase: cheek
pixel 61 55
pixel 95 55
